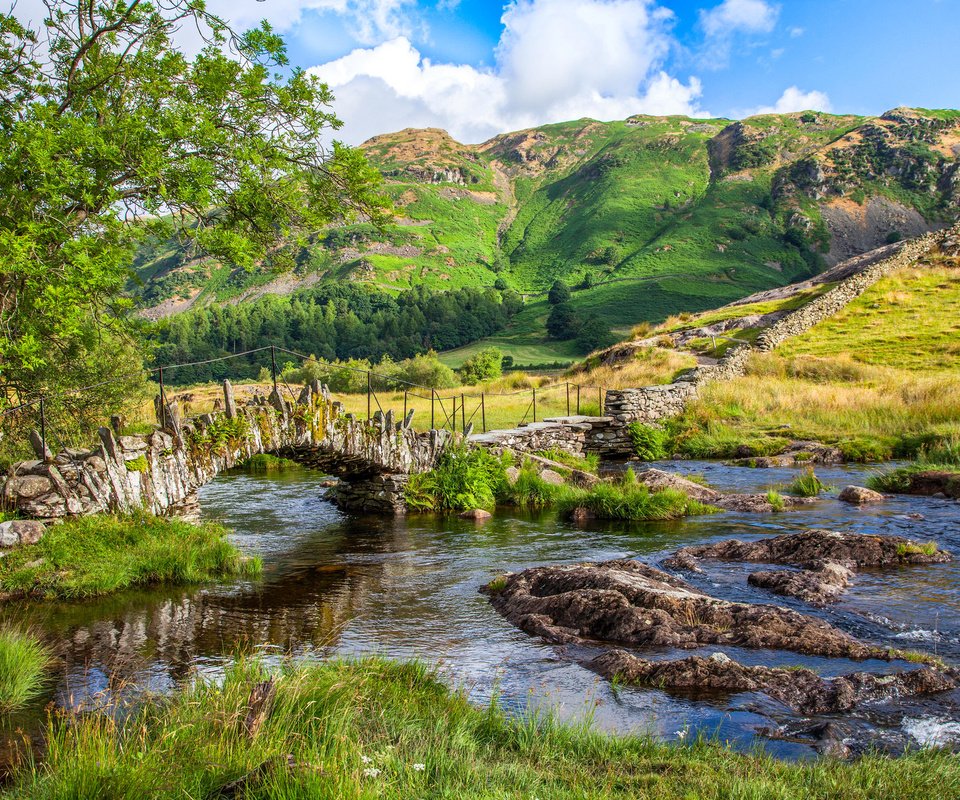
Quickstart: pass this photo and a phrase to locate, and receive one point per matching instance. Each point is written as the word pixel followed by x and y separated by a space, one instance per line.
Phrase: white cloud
pixel 795 31
pixel 752 16
pixel 724 23
pixel 556 60
pixel 795 99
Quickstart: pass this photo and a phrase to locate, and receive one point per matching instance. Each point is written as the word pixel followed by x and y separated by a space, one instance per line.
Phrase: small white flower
pixel 419 767
pixel 371 772
pixel 366 759
pixel 682 733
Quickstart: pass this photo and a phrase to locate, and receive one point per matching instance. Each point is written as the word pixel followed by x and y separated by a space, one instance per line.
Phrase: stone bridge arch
pixel 161 471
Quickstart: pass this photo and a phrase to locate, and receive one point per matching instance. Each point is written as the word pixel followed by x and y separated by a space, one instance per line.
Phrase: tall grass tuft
pixel 807 484
pixel 23 662
pixel 99 554
pixel 373 728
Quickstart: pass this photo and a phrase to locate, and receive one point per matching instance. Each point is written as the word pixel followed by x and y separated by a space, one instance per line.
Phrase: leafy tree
pixel 594 334
pixel 111 133
pixel 563 322
pixel 501 285
pixel 559 293
pixel 485 365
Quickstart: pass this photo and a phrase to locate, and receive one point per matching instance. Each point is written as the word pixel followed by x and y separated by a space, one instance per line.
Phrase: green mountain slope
pixel 650 216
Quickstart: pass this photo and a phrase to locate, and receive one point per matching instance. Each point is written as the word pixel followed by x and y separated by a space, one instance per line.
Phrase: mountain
pixel 651 215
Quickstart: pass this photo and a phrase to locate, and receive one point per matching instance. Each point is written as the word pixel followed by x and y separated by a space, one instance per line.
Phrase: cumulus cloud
pixel 732 18
pixel 795 99
pixel 753 16
pixel 556 60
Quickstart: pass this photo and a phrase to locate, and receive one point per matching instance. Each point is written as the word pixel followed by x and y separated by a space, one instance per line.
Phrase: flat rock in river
pixel 627 602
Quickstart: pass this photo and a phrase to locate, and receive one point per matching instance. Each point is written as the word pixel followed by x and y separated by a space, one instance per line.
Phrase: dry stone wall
pixel 608 435
pixel 161 471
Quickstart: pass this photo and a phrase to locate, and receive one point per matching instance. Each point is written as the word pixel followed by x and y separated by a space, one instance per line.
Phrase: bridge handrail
pixel 434 395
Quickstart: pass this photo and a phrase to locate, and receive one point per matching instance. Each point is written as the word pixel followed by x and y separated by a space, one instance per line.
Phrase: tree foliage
pixel 330 321
pixel 112 132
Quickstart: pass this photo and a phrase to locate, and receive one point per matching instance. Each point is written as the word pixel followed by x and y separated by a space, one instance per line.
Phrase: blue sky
pixel 478 68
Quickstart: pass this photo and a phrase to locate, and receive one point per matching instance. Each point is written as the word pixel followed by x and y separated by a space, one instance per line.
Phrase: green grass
pixel 373 728
pixel 927 549
pixel 99 554
pixel 807 484
pixel 24 661
pixel 906 320
pixel 471 478
pixel 775 499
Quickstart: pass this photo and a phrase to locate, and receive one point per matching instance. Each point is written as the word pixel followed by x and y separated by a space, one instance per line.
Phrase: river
pixel 408 588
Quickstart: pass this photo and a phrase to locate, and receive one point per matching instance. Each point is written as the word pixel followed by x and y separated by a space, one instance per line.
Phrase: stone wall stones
pixel 160 472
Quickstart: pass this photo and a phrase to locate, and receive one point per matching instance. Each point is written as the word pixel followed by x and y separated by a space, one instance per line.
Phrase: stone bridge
pixel 161 471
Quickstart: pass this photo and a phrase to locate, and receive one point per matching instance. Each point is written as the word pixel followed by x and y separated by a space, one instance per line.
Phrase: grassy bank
pixel 466 479
pixel 871 413
pixel 96 555
pixel 23 662
pixel 372 728
pixel 936 471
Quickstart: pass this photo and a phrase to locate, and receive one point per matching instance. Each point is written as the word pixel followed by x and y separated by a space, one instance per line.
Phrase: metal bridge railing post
pixel 463 414
pixel 433 394
pixel 483 412
pixel 568 398
pixel 578 399
pixel 600 399
pixel 404 403
pixel 369 393
pixel 273 365
pixel 534 404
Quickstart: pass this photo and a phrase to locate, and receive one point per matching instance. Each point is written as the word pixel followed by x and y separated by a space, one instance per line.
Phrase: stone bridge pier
pixel 161 471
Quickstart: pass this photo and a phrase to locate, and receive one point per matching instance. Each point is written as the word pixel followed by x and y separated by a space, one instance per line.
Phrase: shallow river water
pixel 404 588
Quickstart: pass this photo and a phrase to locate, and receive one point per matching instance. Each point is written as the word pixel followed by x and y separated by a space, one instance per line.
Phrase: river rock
pixel 801 689
pixel 859 496
pixel 818 587
pixel 658 480
pixel 627 602
pixel 812 548
pixel 476 514
pixel 828 560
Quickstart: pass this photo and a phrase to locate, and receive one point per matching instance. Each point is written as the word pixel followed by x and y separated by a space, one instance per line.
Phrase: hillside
pixel 877 379
pixel 650 215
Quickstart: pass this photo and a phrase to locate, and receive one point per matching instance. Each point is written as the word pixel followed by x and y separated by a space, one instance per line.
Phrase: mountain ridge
pixel 674 213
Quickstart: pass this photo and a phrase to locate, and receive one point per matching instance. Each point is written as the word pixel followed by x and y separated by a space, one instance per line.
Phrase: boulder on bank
pixel 859 496
pixel 16 532
pixel 477 514
pixel 801 689
pixel 628 602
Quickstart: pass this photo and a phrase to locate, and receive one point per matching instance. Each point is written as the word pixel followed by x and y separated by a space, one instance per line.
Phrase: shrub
pixel 464 478
pixel 485 365
pixel 23 662
pixel 649 443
